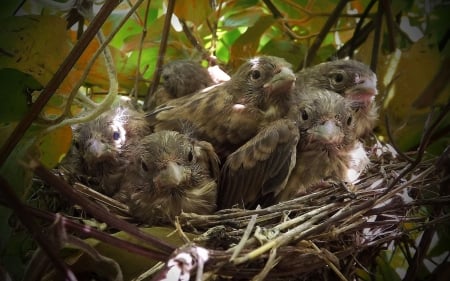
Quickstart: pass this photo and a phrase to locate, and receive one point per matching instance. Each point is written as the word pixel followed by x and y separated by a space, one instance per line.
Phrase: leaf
pixel 196 11
pixel 53 146
pixel 416 67
pixel 246 45
pixel 35 45
pixel 385 271
pixel 247 17
pixel 132 265
pixel 16 93
pixel 286 49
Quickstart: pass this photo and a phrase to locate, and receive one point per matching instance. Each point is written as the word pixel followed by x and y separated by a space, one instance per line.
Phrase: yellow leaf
pixel 195 11
pixel 54 145
pixel 35 45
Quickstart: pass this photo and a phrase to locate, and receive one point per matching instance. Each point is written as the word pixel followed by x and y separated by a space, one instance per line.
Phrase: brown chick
pixel 169 173
pixel 180 78
pixel 95 156
pixel 231 113
pixel 328 148
pixel 353 80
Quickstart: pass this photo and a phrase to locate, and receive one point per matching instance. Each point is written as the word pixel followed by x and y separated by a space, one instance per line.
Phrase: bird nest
pixel 336 230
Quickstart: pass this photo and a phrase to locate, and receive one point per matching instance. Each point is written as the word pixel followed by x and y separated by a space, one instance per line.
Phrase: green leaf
pixel 385 270
pixel 247 44
pixel 247 17
pixel 16 93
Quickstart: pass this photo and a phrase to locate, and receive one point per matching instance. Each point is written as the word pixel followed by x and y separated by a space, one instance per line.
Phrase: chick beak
pixel 364 92
pixel 96 150
pixel 328 132
pixel 171 176
pixel 281 82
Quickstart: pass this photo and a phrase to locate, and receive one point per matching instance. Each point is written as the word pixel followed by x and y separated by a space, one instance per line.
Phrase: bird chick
pixel 95 156
pixel 180 78
pixel 328 148
pixel 231 113
pixel 353 80
pixel 169 173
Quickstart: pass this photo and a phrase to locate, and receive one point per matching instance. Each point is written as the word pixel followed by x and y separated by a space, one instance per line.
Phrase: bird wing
pixel 259 169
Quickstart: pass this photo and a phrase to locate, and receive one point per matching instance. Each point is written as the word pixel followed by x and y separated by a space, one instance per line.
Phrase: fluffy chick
pixel 169 173
pixel 180 78
pixel 353 80
pixel 328 148
pixel 95 157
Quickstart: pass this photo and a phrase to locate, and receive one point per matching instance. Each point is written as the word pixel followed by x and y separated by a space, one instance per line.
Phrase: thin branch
pixel 161 52
pixel 324 31
pixel 278 15
pixel 356 41
pixel 377 38
pixel 141 44
pixel 34 229
pixel 92 232
pixel 56 80
pixel 359 25
pixel 94 209
pixel 386 6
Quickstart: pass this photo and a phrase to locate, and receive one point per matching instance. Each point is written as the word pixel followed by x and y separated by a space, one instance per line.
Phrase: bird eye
pixel 304 115
pixel 116 135
pixel 190 156
pixel 349 121
pixel 339 77
pixel 255 74
pixel 144 166
pixel 165 77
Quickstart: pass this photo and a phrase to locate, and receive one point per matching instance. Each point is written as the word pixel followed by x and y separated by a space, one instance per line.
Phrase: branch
pixel 34 229
pixel 94 209
pixel 325 29
pixel 56 80
pixel 161 53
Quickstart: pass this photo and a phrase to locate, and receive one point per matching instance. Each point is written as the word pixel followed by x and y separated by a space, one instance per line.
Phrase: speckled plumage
pixel 169 172
pixel 328 148
pixel 350 78
pixel 180 78
pixel 95 156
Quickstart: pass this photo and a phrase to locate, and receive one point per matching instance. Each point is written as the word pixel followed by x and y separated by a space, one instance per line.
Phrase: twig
pixel 358 27
pixel 386 6
pixel 94 209
pixel 278 15
pixel 34 229
pixel 141 44
pixel 161 52
pixel 356 41
pixel 392 140
pixel 272 261
pixel 377 38
pixel 324 31
pixel 327 261
pixel 56 80
pixel 96 234
pixel 245 236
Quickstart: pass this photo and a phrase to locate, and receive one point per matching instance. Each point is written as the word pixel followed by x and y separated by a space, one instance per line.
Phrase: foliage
pixel 405 41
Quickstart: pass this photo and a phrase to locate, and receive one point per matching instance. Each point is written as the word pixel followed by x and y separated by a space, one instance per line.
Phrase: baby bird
pixel 180 78
pixel 169 173
pixel 328 148
pixel 229 114
pixel 95 156
pixel 245 119
pixel 353 80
